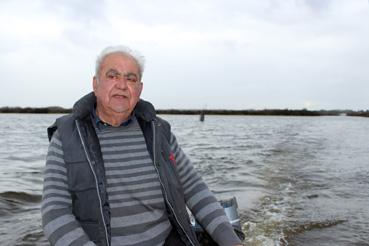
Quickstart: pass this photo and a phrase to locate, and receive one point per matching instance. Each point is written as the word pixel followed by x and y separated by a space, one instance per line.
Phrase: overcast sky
pixel 214 54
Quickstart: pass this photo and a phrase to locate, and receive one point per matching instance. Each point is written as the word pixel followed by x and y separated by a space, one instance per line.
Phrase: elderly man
pixel 115 174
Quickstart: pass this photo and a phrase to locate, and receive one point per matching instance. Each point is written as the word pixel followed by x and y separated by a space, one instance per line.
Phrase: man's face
pixel 118 86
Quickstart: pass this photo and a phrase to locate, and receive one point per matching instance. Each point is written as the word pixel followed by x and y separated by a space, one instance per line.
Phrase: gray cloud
pixel 223 54
pixel 318 5
pixel 76 10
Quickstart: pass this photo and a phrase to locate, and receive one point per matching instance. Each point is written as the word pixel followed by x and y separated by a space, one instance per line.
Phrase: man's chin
pixel 122 110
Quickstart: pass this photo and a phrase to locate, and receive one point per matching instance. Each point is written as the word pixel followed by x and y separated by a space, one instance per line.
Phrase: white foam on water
pixel 270 219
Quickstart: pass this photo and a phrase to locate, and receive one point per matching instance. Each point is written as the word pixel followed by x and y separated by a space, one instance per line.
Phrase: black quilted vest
pixel 86 173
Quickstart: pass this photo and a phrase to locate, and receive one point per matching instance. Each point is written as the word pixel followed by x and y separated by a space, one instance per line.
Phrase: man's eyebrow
pixel 112 70
pixel 117 73
pixel 131 73
pixel 126 74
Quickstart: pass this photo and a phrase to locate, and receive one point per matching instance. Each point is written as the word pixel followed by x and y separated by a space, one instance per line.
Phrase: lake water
pixel 298 180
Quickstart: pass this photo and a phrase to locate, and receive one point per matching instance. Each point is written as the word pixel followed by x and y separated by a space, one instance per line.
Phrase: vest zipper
pixel 161 183
pixel 96 182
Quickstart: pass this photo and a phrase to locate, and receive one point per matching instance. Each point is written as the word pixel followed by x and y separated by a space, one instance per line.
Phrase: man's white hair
pixel 124 50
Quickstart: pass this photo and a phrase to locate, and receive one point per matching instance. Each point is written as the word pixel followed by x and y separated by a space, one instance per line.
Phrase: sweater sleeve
pixel 59 224
pixel 201 201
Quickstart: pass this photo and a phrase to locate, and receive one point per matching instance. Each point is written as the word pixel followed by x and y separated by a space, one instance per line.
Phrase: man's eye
pixel 112 75
pixel 131 78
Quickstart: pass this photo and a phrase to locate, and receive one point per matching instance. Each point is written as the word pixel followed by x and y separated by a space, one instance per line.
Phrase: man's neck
pixel 113 119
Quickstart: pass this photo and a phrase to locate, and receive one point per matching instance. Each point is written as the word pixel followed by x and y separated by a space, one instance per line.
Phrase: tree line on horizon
pixel 286 112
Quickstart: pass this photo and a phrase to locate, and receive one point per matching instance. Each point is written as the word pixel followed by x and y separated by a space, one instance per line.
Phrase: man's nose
pixel 121 83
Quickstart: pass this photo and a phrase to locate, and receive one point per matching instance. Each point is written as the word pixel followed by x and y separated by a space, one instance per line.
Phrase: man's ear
pixel 140 89
pixel 94 83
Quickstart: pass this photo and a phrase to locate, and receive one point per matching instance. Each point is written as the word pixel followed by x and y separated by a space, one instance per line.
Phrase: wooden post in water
pixel 202 115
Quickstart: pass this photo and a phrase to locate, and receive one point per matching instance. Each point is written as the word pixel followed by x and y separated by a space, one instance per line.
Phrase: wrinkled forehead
pixel 120 61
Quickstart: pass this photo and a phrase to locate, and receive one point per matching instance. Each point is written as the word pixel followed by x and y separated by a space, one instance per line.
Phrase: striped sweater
pixel 138 214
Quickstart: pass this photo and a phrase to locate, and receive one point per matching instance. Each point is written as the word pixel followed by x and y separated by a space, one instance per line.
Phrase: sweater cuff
pixel 224 235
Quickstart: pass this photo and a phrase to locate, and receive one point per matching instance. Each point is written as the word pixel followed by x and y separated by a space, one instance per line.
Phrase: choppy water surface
pixel 298 180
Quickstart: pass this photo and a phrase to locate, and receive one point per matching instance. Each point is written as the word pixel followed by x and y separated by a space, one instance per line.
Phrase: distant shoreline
pixel 285 112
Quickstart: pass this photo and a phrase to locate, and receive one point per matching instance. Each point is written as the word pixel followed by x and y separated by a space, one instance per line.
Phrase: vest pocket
pixel 80 176
pixel 82 186
pixel 85 205
pixel 92 230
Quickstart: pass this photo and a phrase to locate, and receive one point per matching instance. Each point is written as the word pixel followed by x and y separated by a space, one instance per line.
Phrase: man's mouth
pixel 119 96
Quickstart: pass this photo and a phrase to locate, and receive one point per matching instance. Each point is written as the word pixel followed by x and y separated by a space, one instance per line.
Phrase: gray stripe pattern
pixel 138 214
pixel 59 224
pixel 137 206
pixel 201 201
